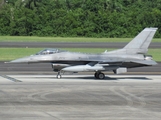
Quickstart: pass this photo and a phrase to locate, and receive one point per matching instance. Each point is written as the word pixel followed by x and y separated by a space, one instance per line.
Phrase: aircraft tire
pixel 101 75
pixel 58 76
pixel 96 75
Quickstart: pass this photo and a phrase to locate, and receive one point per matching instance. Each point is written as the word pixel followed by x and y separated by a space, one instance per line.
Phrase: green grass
pixel 63 39
pixel 156 53
pixel 14 53
pixel 8 54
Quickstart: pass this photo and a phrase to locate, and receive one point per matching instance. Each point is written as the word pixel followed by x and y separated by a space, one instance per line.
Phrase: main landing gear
pixel 99 75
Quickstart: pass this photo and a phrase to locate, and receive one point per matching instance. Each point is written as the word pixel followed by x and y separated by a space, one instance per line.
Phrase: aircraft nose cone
pixel 21 60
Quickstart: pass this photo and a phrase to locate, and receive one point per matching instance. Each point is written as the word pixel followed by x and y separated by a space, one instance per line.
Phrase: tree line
pixel 82 18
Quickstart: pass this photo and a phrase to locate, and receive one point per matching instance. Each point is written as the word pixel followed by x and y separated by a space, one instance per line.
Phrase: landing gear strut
pixel 58 75
pixel 99 75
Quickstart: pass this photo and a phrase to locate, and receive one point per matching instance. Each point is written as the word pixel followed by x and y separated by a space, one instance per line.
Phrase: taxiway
pixel 71 44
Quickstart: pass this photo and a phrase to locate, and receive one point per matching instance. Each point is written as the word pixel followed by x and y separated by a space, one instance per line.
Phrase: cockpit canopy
pixel 49 51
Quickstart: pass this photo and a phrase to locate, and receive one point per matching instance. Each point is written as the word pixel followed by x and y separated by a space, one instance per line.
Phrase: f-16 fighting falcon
pixel 134 54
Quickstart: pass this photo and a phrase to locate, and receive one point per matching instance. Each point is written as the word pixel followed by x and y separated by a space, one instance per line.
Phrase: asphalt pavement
pixel 71 45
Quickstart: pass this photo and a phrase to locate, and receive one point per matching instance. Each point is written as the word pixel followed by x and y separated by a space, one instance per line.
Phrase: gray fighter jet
pixel 134 54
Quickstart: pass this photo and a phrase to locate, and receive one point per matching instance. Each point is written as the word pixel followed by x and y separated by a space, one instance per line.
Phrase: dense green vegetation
pixel 83 18
pixel 8 54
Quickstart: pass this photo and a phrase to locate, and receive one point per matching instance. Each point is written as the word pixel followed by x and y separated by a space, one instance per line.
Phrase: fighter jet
pixel 133 55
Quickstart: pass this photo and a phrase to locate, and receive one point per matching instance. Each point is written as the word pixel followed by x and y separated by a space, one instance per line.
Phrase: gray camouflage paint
pixel 132 55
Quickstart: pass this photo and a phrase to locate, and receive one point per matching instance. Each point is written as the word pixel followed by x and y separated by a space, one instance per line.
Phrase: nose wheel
pixel 99 75
pixel 58 75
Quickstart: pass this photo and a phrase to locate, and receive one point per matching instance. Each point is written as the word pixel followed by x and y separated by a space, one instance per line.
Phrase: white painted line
pixel 4 80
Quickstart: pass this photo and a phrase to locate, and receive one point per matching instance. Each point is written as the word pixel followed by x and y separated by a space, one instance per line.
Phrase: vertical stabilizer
pixel 141 42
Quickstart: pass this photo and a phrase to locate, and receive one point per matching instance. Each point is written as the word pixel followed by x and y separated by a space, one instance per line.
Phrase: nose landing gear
pixel 58 75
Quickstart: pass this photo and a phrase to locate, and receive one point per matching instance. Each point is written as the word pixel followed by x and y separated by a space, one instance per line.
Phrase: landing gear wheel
pixel 58 76
pixel 96 75
pixel 101 75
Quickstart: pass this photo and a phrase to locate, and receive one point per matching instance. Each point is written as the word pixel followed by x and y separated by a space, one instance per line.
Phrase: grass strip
pixel 64 39
pixel 8 54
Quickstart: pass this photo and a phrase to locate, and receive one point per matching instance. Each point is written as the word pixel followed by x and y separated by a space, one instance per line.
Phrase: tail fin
pixel 141 42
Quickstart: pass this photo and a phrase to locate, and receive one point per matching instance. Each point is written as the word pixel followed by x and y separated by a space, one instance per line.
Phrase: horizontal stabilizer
pixel 145 62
